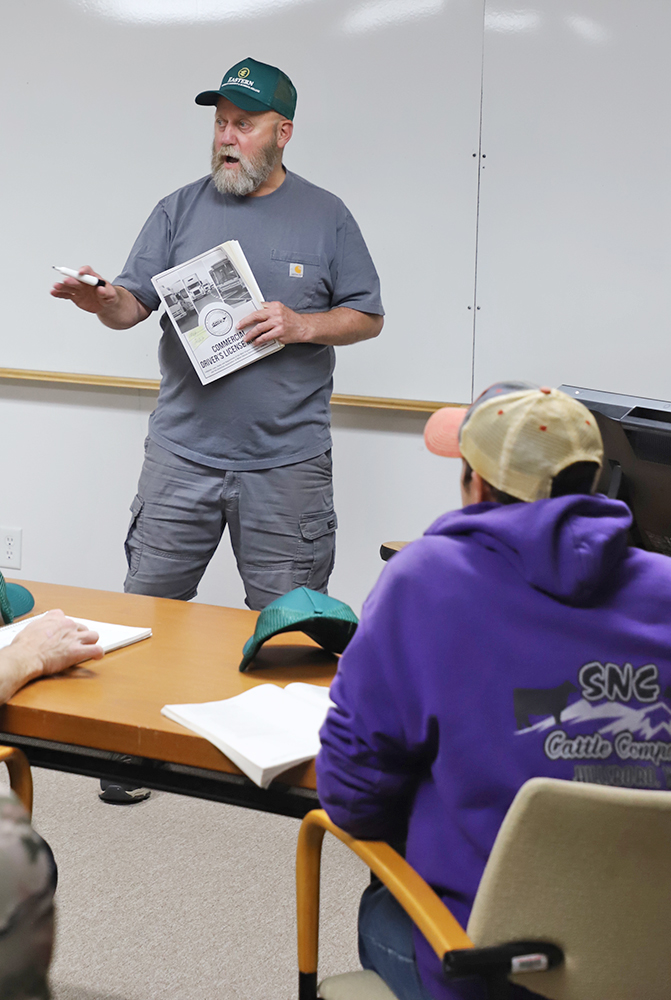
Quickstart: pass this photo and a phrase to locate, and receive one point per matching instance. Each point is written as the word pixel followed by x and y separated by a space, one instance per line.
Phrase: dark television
pixel 637 460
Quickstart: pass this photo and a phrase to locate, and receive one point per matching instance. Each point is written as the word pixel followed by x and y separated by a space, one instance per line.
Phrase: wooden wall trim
pixel 151 385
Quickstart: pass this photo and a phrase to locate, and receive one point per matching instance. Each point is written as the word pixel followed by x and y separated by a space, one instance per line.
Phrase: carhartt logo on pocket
pixel 295 270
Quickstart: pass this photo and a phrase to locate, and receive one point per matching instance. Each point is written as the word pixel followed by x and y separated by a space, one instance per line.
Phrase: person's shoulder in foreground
pixel 520 636
pixel 27 885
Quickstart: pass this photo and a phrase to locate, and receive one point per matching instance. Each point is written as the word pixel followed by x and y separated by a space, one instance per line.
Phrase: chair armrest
pixel 20 777
pixel 417 898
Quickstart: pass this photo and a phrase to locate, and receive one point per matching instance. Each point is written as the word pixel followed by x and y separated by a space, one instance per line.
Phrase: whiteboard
pixel 99 122
pixel 574 248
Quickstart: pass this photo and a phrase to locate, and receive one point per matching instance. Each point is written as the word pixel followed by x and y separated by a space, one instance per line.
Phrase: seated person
pixel 27 870
pixel 521 636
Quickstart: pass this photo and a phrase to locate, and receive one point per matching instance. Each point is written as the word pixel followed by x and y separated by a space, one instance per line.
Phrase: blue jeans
pixel 386 945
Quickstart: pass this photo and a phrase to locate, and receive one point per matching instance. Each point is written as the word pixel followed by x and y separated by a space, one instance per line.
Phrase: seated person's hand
pixel 56 642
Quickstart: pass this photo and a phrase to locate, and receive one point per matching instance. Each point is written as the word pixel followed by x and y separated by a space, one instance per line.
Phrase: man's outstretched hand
pixel 114 305
pixel 87 297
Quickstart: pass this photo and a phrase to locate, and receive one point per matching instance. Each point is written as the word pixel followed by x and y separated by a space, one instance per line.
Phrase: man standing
pixel 521 636
pixel 251 450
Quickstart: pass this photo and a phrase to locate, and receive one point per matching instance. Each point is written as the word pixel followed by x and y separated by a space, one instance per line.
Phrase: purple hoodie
pixel 508 642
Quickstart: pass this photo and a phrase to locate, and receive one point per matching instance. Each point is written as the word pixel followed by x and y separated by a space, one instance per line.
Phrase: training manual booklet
pixel 111 636
pixel 265 730
pixel 205 299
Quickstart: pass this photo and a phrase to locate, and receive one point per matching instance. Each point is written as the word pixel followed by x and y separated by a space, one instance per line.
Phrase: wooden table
pixel 73 721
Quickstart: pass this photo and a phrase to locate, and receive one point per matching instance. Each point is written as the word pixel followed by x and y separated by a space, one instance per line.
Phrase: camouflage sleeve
pixel 27 886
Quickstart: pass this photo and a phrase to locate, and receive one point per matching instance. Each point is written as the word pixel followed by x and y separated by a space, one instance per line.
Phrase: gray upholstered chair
pixel 576 896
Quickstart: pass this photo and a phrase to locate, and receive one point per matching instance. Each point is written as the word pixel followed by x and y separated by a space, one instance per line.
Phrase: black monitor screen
pixel 637 459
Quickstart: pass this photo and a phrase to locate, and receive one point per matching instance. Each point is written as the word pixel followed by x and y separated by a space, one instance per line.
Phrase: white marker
pixel 87 279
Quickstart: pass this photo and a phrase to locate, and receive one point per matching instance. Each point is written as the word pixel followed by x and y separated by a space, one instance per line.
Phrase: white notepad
pixel 111 636
pixel 263 731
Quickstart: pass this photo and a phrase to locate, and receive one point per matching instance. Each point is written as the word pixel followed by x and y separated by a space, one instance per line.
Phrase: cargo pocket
pixel 316 550
pixel 133 543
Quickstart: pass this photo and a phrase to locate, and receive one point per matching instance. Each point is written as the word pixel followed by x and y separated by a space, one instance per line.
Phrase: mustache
pixel 225 151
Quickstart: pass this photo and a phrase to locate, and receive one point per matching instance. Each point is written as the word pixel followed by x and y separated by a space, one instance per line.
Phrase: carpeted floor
pixel 177 898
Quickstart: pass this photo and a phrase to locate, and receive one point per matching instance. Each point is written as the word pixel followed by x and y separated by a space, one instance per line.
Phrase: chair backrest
pixel 588 868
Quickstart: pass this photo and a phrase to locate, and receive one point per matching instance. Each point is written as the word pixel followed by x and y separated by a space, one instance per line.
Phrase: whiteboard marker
pixel 87 279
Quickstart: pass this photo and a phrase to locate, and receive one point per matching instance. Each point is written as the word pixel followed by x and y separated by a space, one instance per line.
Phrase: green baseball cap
pixel 14 601
pixel 255 86
pixel 329 622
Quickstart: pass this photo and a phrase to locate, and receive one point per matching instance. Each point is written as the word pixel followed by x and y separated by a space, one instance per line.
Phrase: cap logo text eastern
pixel 238 81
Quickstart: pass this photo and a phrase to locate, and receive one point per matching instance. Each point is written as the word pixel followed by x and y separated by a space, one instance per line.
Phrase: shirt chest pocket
pixel 295 277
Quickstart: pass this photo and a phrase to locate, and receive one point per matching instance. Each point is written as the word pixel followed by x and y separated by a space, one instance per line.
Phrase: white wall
pixel 72 458
pixel 115 128
pixel 575 203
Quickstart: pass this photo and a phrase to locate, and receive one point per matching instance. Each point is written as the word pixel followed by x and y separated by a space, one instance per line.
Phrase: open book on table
pixel 205 298
pixel 265 730
pixel 111 636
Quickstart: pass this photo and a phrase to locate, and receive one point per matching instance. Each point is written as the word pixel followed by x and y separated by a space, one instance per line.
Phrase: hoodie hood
pixel 567 547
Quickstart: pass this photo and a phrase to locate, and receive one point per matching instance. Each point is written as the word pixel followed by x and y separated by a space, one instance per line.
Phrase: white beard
pixel 250 173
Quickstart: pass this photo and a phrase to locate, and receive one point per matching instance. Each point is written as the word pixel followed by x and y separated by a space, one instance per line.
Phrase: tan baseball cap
pixel 518 437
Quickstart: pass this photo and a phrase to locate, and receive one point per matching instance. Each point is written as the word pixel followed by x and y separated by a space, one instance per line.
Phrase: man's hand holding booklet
pixel 206 298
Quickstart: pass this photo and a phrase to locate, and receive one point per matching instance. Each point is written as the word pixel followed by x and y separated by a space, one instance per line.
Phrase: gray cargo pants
pixel 281 522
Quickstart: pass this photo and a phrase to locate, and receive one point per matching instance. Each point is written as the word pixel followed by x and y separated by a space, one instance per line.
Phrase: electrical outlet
pixel 10 548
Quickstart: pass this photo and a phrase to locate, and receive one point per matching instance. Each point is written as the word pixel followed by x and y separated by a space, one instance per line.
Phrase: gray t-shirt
pixel 275 411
